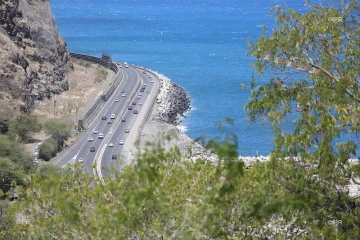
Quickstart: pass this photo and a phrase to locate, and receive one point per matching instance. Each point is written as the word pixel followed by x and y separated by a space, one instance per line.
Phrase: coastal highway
pixel 126 93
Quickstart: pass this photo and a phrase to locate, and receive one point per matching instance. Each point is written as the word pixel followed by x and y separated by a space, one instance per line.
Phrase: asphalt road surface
pixel 131 84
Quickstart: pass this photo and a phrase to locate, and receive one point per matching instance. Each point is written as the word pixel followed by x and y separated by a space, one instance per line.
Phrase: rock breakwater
pixel 171 104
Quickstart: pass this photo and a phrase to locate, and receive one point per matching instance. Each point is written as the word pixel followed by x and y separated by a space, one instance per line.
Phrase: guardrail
pixel 105 61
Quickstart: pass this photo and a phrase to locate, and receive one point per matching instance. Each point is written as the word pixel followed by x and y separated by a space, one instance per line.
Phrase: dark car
pixel 135 111
pixel 142 90
pixel 109 122
pixel 103 118
pixel 114 157
pixel 92 149
pixel 127 130
pixel 123 120
pixel 130 108
pixel 122 91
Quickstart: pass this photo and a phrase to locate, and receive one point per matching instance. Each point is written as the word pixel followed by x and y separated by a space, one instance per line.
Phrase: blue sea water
pixel 199 44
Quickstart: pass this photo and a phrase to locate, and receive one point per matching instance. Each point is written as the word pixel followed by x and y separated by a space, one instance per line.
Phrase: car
pixel 81 160
pixel 92 149
pixel 111 144
pixel 140 103
pixel 95 131
pixel 142 90
pixel 133 103
pixel 114 157
pixel 122 90
pixel 112 116
pixel 127 130
pixel 130 108
pixel 140 94
pixel 90 139
pixel 121 142
pixel 116 99
pixel 152 81
pixel 123 95
pixel 109 122
pixel 144 72
pixel 149 76
pixel 123 119
pixel 126 66
pixel 138 97
pixel 101 136
pixel 103 118
pixel 135 111
pixel 145 84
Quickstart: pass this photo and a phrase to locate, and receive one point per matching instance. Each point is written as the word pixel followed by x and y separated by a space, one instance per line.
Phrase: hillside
pixel 33 55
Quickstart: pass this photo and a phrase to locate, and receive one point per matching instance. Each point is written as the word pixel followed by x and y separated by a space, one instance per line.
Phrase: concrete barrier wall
pixel 107 63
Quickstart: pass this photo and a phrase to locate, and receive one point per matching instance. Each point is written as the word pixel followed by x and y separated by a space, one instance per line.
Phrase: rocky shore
pixel 171 104
pixel 164 127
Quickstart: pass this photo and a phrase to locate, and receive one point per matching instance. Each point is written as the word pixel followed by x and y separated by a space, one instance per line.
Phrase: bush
pixel 48 149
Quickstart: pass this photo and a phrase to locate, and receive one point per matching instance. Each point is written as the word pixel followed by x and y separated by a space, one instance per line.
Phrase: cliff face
pixel 33 55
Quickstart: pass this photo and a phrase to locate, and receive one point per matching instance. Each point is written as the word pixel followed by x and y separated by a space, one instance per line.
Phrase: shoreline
pixel 164 125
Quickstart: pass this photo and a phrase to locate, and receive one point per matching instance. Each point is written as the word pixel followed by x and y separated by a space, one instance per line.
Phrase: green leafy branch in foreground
pixel 165 196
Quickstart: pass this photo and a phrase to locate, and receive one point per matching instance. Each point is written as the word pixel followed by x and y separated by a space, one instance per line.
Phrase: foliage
pixel 23 125
pixel 10 172
pixel 48 149
pixel 315 86
pixel 162 196
pixel 14 152
pixel 58 130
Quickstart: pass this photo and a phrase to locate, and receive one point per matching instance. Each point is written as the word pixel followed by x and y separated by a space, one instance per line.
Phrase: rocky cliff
pixel 33 55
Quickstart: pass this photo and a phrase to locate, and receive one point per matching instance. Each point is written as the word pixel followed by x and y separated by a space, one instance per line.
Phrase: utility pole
pixel 55 98
pixel 76 116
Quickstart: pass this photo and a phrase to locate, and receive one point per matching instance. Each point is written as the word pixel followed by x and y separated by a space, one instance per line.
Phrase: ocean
pixel 199 44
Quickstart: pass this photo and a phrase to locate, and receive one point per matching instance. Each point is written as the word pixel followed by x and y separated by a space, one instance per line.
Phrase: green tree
pixel 57 130
pixel 15 153
pixel 23 125
pixel 10 172
pixel 48 149
pixel 315 85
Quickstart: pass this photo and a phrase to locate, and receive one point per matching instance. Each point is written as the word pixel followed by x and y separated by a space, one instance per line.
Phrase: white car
pixel 90 139
pixel 101 136
pixel 152 81
pixel 138 97
pixel 95 131
pixel 116 99
pixel 121 142
pixel 111 144
pixel 81 160
pixel 112 116
pixel 123 95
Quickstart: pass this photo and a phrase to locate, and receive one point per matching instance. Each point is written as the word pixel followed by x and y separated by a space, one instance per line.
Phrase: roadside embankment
pixel 161 129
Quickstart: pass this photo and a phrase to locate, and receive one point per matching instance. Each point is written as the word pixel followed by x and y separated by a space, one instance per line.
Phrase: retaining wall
pixel 105 61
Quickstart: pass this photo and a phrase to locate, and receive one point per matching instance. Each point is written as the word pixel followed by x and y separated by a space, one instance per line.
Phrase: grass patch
pixel 101 74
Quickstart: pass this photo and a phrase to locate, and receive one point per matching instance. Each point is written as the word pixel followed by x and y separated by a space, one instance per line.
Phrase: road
pixel 130 86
